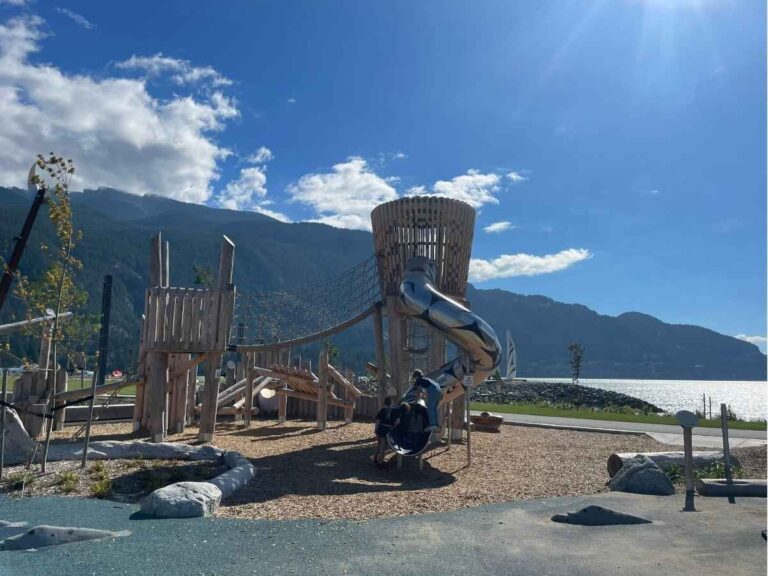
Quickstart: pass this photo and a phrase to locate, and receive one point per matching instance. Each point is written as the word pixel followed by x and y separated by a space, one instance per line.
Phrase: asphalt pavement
pixel 673 435
pixel 512 538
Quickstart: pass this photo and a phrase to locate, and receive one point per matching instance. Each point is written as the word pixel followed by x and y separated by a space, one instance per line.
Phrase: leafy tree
pixel 203 275
pixel 577 355
pixel 56 288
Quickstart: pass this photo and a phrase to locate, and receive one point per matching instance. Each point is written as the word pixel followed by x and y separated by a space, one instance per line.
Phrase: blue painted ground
pixel 512 538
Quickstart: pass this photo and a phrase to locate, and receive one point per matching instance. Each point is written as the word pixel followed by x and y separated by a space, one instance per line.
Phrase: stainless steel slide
pixel 469 332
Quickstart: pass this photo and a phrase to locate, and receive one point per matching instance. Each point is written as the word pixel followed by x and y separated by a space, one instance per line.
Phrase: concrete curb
pixel 576 428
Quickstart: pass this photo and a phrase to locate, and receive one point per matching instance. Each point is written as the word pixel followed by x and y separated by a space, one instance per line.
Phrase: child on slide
pixel 434 394
pixel 386 420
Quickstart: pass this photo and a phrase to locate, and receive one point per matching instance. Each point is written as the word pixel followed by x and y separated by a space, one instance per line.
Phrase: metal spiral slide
pixel 482 351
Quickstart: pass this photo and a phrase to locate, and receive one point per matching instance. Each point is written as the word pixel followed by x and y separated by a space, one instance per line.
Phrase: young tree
pixel 204 277
pixel 577 354
pixel 55 288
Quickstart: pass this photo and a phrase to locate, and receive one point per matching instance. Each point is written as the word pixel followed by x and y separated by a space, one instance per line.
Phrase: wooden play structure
pixel 33 389
pixel 182 327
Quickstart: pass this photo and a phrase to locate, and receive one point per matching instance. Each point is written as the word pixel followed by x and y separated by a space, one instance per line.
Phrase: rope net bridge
pixel 269 320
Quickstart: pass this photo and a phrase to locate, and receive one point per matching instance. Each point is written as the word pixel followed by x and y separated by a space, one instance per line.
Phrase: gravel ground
pixel 752 460
pixel 302 473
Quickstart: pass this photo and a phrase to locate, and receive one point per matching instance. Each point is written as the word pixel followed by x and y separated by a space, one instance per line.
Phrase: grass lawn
pixel 601 415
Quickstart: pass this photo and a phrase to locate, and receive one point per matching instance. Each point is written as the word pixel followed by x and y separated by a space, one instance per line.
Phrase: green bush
pixel 19 480
pixel 101 488
pixel 67 481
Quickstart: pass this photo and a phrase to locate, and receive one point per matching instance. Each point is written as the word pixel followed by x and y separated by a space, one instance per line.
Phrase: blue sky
pixel 617 149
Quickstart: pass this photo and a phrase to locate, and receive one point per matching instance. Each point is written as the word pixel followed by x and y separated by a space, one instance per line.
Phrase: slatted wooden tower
pixel 440 229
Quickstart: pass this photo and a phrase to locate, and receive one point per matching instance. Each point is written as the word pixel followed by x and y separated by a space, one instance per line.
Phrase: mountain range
pixel 272 255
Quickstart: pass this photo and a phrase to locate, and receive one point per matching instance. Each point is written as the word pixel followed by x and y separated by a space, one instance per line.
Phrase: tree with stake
pixel 577 354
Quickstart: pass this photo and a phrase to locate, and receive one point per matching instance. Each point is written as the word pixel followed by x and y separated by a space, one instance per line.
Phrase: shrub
pixel 101 488
pixel 18 480
pixel 67 481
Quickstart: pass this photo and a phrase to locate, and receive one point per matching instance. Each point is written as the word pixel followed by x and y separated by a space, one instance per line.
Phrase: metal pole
pixel 688 448
pixel 2 422
pixel 726 450
pixel 98 379
pixel 21 239
pixel 468 380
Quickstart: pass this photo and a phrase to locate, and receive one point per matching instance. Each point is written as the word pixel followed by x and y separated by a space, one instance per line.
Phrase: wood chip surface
pixel 303 473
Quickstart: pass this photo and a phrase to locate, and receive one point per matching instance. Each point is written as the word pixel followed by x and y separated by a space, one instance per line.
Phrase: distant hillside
pixel 276 256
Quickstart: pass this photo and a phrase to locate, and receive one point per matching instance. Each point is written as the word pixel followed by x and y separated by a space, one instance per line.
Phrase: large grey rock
pixel 241 472
pixel 182 500
pixel 43 536
pixel 598 516
pixel 639 475
pixel 18 445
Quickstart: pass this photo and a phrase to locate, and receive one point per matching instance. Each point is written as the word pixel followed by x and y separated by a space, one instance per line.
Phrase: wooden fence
pixel 187 319
pixel 366 408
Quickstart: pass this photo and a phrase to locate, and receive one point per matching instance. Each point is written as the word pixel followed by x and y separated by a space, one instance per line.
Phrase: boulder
pixel 640 475
pixel 44 536
pixel 18 445
pixel 182 500
pixel 598 516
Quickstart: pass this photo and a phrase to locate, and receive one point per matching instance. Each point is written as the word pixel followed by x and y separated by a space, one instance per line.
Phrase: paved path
pixel 703 437
pixel 510 539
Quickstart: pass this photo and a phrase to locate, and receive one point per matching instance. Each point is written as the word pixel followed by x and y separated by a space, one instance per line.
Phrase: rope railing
pixel 272 319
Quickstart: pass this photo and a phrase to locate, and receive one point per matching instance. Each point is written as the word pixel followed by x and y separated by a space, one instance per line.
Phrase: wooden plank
pixel 313 398
pixel 210 396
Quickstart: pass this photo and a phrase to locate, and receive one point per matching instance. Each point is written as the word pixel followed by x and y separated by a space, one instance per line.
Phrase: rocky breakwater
pixel 583 397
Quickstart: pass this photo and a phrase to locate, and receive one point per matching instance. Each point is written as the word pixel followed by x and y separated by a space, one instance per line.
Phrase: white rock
pixel 182 500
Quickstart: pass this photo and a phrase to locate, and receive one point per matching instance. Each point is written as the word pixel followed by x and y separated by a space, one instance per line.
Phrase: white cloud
pixel 759 341
pixel 182 71
pixel 516 177
pixel 509 265
pixel 249 191
pixel 117 133
pixel 13 2
pixel 291 100
pixel 262 155
pixel 498 227
pixel 78 19
pixel 474 188
pixel 344 197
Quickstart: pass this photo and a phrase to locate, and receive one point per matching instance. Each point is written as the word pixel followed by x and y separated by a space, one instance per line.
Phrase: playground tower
pixel 440 229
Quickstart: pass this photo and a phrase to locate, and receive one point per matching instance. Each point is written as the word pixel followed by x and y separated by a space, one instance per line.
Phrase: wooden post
pixel 157 368
pixel 322 389
pixel 138 406
pixel 726 450
pixel 155 260
pixel 165 261
pixel 62 383
pixel 211 390
pixel 247 365
pixel 395 343
pixel 210 397
pixel 349 411
pixel 381 367
pixel 191 394
pixel 282 405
